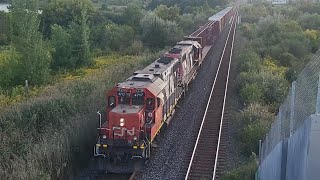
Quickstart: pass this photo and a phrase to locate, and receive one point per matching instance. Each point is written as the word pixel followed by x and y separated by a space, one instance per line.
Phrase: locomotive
pixel 140 106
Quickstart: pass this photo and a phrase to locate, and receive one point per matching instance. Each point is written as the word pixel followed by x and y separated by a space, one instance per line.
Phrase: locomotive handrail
pixel 100 117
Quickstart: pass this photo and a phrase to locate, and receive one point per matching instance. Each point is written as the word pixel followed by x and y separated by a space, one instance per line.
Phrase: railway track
pixel 208 153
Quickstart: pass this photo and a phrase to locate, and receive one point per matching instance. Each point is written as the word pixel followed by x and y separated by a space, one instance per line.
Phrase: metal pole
pixel 26 88
pixel 293 92
pixel 280 122
pixel 318 98
pixel 260 154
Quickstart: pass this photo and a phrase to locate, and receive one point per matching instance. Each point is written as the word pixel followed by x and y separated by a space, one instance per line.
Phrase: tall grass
pixel 39 138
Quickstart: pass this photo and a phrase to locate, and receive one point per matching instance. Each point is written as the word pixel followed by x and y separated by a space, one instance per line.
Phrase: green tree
pixel 62 54
pixel 310 21
pixel 254 121
pixel 10 68
pixel 70 36
pixel 64 13
pixel 251 93
pixel 186 23
pixel 168 13
pixel 4 30
pixel 132 16
pixel 119 37
pixel 28 42
pixel 154 31
pixel 80 47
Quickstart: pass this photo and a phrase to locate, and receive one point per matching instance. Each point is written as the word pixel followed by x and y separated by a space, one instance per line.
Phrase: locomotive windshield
pixel 124 100
pixel 137 100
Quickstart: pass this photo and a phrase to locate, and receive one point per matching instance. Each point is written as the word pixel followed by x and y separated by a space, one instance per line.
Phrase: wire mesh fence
pixel 301 102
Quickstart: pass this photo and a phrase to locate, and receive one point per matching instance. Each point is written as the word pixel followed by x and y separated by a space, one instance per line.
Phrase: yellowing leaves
pixel 312 34
pixel 270 66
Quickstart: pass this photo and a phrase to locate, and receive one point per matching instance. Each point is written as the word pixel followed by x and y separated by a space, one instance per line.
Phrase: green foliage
pixel 168 13
pixel 310 21
pixel 314 38
pixel 254 121
pixel 187 4
pixel 279 36
pixel 251 93
pixel 248 30
pixel 245 171
pixel 61 42
pixel 35 57
pixel 157 32
pixel 64 13
pixel 132 16
pixel 252 13
pixel 250 62
pixel 4 30
pixel 309 7
pixel 287 59
pixel 186 22
pixel 9 67
pixel 119 37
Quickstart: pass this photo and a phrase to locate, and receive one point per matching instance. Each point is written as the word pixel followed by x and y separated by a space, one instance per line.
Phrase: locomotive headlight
pixel 104 136
pixel 121 122
pixel 150 114
pixel 135 138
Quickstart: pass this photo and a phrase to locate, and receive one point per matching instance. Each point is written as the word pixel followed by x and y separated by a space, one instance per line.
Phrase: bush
pixel 254 121
pixel 251 93
pixel 243 172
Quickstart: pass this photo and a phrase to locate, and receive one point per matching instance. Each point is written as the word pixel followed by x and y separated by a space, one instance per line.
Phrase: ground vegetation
pixel 281 40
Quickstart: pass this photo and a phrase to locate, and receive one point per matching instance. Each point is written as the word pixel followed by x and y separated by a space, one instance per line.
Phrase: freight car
pixel 139 107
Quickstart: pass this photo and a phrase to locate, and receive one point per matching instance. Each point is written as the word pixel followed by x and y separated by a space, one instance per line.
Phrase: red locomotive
pixel 138 107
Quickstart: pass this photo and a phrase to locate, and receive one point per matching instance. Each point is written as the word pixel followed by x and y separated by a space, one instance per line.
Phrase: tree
pixel 157 32
pixel 132 16
pixel 70 33
pixel 168 13
pixel 64 13
pixel 310 21
pixel 314 38
pixel 10 68
pixel 154 31
pixel 80 47
pixel 186 23
pixel 61 42
pixel 28 42
pixel 4 30
pixel 119 37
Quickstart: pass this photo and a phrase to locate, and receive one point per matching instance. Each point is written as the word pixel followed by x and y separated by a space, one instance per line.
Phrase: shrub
pixel 251 93
pixel 254 121
pixel 243 172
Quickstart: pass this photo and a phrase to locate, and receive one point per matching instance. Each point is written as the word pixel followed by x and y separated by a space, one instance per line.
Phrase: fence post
pixel 280 122
pixel 293 92
pixel 26 88
pixel 260 154
pixel 318 98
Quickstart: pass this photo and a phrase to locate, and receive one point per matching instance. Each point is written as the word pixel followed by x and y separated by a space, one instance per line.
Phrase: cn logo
pixel 119 131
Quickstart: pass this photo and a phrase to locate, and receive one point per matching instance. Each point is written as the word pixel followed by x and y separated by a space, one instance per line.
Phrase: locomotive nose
pixel 125 122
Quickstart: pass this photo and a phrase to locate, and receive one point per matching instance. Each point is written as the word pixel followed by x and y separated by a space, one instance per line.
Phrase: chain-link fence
pixel 300 103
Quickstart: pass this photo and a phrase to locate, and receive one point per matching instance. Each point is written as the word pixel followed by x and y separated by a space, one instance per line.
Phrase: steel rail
pixel 208 103
pixel 224 101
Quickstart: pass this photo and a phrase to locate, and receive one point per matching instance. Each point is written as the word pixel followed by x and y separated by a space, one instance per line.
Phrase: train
pixel 144 103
